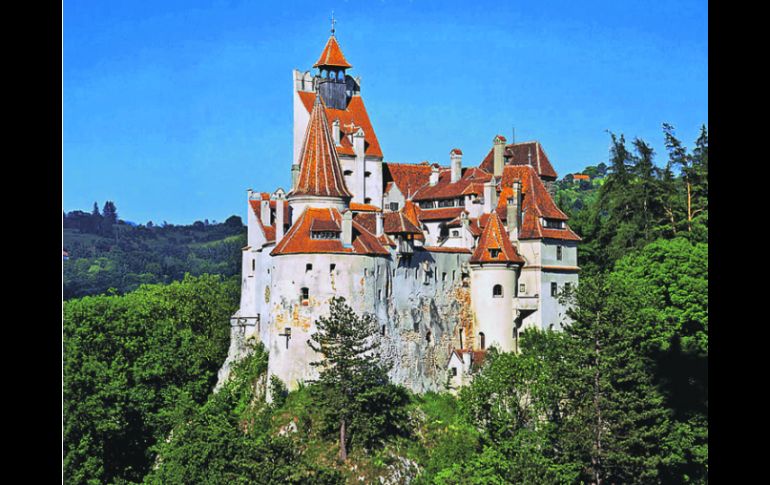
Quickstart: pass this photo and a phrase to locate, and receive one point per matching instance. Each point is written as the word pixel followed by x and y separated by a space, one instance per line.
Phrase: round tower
pixel 494 267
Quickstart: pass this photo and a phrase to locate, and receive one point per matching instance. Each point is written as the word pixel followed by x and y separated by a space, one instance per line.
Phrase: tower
pixel 494 266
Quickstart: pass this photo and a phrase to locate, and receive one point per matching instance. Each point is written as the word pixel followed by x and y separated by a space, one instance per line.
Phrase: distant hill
pixel 573 192
pixel 105 255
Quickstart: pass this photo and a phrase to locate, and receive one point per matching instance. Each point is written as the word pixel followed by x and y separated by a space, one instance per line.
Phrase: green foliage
pixel 353 391
pixel 131 363
pixel 278 391
pixel 124 257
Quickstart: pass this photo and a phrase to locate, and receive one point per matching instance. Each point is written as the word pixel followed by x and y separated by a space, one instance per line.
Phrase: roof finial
pixel 333 22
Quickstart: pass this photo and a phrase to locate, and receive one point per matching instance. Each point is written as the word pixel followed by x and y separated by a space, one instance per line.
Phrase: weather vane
pixel 333 22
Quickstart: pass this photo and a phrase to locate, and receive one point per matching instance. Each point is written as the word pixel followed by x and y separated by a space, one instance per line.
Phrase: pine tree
pixel 616 420
pixel 110 212
pixel 353 387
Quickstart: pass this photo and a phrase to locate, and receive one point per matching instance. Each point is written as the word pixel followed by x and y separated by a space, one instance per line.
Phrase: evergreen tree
pixel 110 212
pixel 95 211
pixel 616 420
pixel 353 388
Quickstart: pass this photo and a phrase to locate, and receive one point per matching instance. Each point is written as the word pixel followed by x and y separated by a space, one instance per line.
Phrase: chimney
pixel 347 229
pixel 466 226
pixel 499 148
pixel 456 162
pixel 294 175
pixel 336 131
pixel 513 211
pixel 378 224
pixel 433 175
pixel 358 143
pixel 279 217
pixel 490 196
pixel 264 212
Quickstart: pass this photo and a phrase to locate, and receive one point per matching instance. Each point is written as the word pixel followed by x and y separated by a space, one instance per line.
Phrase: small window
pixel 253 264
pixel 497 291
pixel 493 253
pixel 567 287
pixel 308 267
pixel 394 206
pixel 443 276
pixel 453 274
pixel 347 172
pixel 455 233
pixel 367 174
pixel 368 200
pixel 453 371
pixel 332 267
pixel 382 330
pixel 427 337
pixel 379 294
pixel 366 272
pixel 522 288
pixel 558 253
pixel 304 295
pixel 554 289
pixel 482 341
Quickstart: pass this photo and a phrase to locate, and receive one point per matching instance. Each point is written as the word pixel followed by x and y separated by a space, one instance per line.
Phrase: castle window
pixel 323 235
pixel 552 224
pixel 493 253
pixel 367 174
pixel 482 341
pixel 558 253
pixel 368 200
pixel 366 272
pixel 455 233
pixel 453 371
pixel 304 295
pixel 347 172
pixel 332 267
pixel 497 291
pixel 379 294
pixel 394 206
pixel 308 267
pixel 554 288
pixel 253 264
pixel 522 288
pixel 443 276
pixel 382 330
pixel 567 287
pixel 453 274
pixel 427 337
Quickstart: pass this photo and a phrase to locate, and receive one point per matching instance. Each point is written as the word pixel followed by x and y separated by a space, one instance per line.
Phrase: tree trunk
pixel 343 450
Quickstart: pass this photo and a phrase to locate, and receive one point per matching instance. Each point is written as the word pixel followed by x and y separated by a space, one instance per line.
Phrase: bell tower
pixel 331 83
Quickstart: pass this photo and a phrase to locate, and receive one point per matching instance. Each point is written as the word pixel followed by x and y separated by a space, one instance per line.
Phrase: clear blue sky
pixel 173 109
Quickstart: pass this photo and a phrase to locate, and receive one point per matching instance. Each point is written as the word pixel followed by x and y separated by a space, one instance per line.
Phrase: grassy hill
pixel 122 257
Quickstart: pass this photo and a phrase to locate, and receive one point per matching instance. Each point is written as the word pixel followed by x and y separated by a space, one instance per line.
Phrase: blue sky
pixel 173 109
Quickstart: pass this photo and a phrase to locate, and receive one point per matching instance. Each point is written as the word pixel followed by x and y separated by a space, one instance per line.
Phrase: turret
pixel 331 79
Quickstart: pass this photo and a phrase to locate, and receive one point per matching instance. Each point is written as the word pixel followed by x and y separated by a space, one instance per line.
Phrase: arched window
pixel 497 291
pixel 304 295
pixel 482 341
pixel 427 337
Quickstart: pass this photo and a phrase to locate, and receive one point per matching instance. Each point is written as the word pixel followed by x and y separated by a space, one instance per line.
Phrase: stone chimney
pixel 378 224
pixel 294 175
pixel 336 131
pixel 347 229
pixel 264 212
pixel 358 143
pixel 513 211
pixel 279 215
pixel 499 148
pixel 456 163
pixel 490 196
pixel 433 175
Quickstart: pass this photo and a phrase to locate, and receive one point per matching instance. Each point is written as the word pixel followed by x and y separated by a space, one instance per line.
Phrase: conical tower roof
pixel 320 173
pixel 332 55
pixel 494 245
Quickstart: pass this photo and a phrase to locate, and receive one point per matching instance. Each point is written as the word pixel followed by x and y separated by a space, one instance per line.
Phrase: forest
pixel 619 396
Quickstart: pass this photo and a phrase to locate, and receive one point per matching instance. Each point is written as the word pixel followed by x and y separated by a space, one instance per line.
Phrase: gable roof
pixel 536 203
pixel 332 55
pixel 354 114
pixel 519 154
pixel 298 240
pixel 496 238
pixel 408 177
pixel 471 182
pixel 320 173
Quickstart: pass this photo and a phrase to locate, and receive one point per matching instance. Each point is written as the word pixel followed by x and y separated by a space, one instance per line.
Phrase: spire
pixel 319 173
pixel 332 55
pixel 494 246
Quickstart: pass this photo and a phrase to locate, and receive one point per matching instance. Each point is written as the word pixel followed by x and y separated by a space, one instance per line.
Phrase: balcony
pixel 526 302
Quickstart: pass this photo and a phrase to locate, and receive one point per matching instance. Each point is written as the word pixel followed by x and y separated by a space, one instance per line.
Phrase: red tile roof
pixel 442 249
pixel 536 203
pixel 495 238
pixel 356 114
pixel 320 173
pixel 519 154
pixel 332 55
pixel 440 214
pixel 298 241
pixel 357 207
pixel 398 223
pixel 408 177
pixel 471 182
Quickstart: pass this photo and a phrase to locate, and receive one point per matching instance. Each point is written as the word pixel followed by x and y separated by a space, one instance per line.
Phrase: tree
pixel 694 170
pixel 353 388
pixel 95 211
pixel 110 212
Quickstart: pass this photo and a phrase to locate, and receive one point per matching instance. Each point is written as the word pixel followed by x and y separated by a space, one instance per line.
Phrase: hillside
pixel 102 256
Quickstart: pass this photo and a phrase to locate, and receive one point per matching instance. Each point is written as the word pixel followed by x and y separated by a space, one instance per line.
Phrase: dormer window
pixel 494 253
pixel 455 233
pixel 324 235
pixel 553 224
pixel 394 206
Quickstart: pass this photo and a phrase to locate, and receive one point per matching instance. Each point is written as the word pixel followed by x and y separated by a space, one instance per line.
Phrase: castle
pixel 450 260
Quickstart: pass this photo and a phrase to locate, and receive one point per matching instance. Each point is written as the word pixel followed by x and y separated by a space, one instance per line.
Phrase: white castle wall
pixel 493 315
